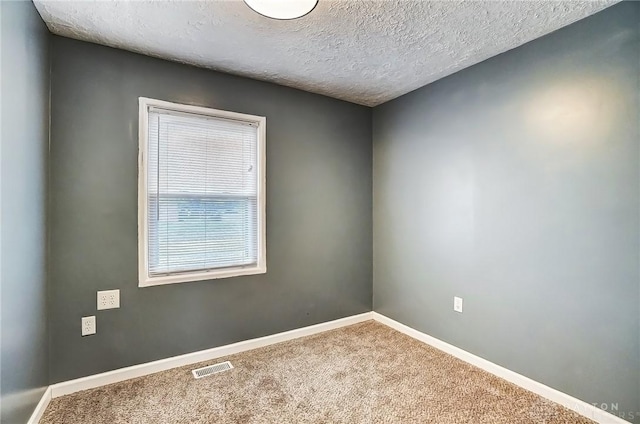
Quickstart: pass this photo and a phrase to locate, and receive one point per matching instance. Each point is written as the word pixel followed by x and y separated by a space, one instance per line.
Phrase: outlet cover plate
pixel 108 299
pixel 88 325
pixel 457 304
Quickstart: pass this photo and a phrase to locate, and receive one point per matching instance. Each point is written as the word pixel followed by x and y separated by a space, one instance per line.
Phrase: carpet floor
pixel 364 373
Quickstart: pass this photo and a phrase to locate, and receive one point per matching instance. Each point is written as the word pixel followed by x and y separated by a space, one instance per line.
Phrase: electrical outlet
pixel 88 325
pixel 457 304
pixel 108 299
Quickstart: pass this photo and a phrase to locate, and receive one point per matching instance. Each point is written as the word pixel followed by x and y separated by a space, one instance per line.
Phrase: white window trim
pixel 144 280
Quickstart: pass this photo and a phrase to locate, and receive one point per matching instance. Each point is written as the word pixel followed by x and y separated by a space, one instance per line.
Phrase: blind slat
pixel 202 193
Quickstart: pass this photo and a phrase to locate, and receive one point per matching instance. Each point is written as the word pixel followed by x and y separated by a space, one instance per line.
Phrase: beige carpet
pixel 365 373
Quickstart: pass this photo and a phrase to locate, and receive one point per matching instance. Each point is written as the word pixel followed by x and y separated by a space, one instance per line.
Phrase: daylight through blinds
pixel 202 193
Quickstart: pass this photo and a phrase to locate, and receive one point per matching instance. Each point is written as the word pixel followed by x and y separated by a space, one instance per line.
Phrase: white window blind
pixel 202 193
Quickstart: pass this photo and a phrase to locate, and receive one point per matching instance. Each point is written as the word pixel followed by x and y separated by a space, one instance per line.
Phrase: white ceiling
pixel 362 51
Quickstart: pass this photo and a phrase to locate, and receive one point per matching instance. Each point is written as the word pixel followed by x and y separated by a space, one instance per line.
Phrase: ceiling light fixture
pixel 282 9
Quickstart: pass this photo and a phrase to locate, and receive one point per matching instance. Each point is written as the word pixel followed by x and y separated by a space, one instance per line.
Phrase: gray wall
pixel 23 179
pixel 319 213
pixel 515 185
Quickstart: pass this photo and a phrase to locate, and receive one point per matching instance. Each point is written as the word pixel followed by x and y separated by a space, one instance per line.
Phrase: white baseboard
pixel 40 407
pixel 115 376
pixel 577 405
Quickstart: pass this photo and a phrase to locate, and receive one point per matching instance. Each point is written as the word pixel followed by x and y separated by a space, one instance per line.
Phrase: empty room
pixel 319 211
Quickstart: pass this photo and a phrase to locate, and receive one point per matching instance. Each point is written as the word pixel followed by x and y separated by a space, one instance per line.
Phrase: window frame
pixel 144 279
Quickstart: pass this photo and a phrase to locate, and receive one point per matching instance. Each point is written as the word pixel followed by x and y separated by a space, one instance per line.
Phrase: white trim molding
pixel 583 408
pixel 115 376
pixel 145 105
pixel 122 374
pixel 40 407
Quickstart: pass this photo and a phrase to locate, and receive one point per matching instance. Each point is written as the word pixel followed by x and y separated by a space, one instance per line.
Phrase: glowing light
pixel 282 9
pixel 572 110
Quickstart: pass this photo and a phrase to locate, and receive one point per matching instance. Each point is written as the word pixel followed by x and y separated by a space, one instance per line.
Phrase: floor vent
pixel 212 369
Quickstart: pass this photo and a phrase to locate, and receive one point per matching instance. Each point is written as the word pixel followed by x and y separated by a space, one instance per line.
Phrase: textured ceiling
pixel 362 51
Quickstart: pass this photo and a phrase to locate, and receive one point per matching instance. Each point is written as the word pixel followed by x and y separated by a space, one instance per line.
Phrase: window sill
pixel 146 281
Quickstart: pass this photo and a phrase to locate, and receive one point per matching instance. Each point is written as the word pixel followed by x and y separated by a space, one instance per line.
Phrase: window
pixel 201 193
